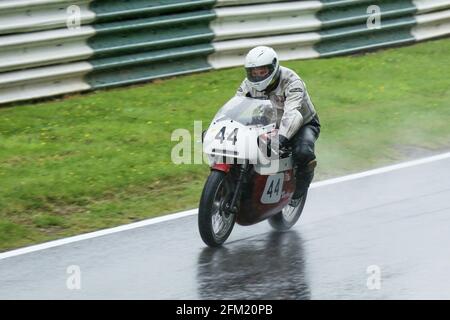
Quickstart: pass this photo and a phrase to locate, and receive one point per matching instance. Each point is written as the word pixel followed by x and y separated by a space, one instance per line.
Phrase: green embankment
pixel 99 160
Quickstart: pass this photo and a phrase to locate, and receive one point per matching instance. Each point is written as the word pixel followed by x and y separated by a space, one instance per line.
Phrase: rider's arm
pixel 292 118
pixel 242 91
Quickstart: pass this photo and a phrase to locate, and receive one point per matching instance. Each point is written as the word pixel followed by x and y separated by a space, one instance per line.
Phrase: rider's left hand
pixel 278 142
pixel 283 141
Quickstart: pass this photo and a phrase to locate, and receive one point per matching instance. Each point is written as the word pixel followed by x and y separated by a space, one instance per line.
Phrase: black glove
pixel 278 142
pixel 283 141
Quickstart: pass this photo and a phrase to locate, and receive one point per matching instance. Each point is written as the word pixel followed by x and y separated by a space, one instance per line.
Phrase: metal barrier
pixel 125 42
pixel 29 16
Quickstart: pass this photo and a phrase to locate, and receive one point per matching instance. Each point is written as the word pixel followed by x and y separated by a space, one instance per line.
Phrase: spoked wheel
pixel 285 219
pixel 214 222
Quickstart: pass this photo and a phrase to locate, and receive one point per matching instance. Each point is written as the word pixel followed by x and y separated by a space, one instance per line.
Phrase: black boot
pixel 304 176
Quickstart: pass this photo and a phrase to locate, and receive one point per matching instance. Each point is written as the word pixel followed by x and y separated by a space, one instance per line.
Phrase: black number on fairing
pixel 277 187
pixel 221 134
pixel 270 190
pixel 233 136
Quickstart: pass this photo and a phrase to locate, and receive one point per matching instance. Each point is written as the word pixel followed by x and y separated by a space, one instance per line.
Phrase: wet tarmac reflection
pixel 270 266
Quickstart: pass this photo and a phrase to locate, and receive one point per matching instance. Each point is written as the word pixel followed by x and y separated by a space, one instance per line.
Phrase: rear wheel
pixel 214 222
pixel 287 217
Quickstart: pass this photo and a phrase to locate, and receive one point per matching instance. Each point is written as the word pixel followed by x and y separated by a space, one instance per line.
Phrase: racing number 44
pixel 231 137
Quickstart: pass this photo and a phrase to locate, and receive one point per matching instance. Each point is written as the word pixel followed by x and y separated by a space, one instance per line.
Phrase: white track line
pixel 95 234
pixel 372 172
pixel 174 216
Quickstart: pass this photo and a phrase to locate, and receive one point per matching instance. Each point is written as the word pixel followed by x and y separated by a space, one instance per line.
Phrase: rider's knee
pixel 304 154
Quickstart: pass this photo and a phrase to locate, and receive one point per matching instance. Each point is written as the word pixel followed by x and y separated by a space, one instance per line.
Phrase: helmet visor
pixel 257 74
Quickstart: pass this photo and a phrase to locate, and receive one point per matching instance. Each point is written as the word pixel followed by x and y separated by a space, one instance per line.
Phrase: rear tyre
pixel 214 222
pixel 289 216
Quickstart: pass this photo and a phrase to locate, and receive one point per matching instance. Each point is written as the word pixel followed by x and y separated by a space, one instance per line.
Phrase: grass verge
pixel 102 159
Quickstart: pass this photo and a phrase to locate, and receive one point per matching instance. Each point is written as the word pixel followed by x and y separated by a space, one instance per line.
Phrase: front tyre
pixel 287 217
pixel 214 222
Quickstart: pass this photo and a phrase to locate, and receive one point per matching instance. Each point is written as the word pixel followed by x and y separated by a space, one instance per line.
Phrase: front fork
pixel 231 207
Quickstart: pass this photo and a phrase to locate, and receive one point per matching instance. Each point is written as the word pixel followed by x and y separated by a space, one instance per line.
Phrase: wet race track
pixel 394 224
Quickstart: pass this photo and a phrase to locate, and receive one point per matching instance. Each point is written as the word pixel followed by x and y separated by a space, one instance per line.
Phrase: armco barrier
pixel 18 16
pixel 125 42
pixel 129 41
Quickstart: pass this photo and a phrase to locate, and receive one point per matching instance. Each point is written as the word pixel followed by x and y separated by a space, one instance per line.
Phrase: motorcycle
pixel 250 179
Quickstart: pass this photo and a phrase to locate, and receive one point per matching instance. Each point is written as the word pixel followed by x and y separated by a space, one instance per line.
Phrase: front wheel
pixel 287 217
pixel 215 223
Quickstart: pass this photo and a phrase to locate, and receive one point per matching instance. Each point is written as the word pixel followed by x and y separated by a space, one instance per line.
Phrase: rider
pixel 298 123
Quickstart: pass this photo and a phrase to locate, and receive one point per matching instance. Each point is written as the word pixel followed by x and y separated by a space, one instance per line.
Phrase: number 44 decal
pixel 231 137
pixel 273 189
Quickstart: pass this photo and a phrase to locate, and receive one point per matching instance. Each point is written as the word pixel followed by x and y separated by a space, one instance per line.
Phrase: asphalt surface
pixel 397 223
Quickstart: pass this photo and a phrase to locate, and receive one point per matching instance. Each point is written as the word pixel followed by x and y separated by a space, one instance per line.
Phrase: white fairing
pixel 273 189
pixel 233 135
pixel 234 131
pixel 274 165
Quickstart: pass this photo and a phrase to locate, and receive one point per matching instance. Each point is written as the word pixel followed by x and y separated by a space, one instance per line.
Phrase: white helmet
pixel 262 67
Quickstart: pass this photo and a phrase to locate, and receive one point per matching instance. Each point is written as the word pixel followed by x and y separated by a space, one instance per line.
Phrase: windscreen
pixel 248 111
